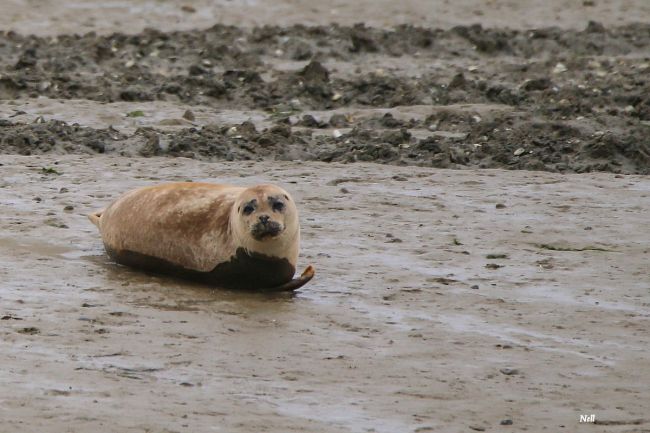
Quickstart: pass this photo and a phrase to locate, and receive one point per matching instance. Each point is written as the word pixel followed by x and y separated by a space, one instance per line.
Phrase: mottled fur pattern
pixel 199 225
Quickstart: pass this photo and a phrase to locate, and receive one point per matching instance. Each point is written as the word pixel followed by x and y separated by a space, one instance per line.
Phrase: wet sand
pixel 408 326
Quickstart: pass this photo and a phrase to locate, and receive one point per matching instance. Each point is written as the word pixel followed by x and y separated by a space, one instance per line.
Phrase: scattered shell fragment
pixel 519 151
pixel 337 134
pixel 559 68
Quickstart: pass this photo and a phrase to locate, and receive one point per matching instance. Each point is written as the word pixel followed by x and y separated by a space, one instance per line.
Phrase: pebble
pixel 509 371
pixel 337 134
pixel 475 287
pixel 559 68
pixel 519 151
pixel 506 422
pixel 500 206
pixel 188 115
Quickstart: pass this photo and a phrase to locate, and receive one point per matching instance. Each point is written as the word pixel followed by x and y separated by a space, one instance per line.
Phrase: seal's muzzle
pixel 265 229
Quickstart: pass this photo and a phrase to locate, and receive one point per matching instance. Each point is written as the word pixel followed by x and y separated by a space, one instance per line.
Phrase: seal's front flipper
pixel 296 283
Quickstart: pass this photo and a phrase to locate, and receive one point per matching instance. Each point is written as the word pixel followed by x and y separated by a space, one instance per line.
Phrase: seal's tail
pixel 95 216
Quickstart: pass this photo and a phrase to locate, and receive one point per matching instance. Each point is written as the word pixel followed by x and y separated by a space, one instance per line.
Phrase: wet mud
pixel 571 101
pixel 474 198
pixel 444 300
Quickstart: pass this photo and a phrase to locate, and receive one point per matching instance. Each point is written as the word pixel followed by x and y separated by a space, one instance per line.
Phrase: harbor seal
pixel 223 235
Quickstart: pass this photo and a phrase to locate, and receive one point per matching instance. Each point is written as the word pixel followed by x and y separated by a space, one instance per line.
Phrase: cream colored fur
pixel 195 225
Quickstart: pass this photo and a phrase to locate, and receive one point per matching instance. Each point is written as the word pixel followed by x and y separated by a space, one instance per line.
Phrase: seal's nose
pixel 264 219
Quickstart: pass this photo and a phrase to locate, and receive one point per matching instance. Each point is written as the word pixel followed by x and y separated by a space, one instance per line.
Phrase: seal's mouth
pixel 266 230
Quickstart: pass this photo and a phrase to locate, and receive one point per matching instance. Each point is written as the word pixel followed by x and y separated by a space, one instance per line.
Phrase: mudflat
pixel 472 179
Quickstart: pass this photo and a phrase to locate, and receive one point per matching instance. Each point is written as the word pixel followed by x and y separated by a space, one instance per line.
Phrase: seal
pixel 222 235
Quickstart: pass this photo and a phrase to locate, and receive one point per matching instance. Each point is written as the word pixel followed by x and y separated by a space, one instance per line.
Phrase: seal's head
pixel 265 219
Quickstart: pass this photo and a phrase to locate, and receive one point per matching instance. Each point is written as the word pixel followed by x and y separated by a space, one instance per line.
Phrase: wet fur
pixel 197 227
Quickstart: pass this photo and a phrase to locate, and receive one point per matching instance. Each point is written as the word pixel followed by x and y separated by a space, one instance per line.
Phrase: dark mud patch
pixel 564 148
pixel 578 100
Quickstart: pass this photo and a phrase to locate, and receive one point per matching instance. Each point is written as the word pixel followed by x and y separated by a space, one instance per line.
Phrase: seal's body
pixel 224 235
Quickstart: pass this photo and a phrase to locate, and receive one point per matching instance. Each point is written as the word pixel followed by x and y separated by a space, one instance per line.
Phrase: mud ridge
pixel 559 147
pixel 578 99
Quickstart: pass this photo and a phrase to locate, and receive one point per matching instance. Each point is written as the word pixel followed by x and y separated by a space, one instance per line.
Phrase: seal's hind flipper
pixel 296 283
pixel 95 216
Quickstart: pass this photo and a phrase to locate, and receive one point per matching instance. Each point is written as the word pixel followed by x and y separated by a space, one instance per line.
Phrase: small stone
pixel 477 428
pixel 189 9
pixel 475 287
pixel 509 371
pixel 506 422
pixel 68 208
pixel 344 190
pixel 500 206
pixel 336 96
pixel 337 134
pixel 188 115
pixel 151 147
pixel 519 151
pixel 130 64
pixel 559 68
pixel 338 121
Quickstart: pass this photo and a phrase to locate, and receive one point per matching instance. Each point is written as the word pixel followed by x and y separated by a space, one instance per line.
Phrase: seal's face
pixel 265 211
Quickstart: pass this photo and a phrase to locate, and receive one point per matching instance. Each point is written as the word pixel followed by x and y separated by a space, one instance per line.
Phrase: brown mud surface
pixel 444 300
pixel 540 99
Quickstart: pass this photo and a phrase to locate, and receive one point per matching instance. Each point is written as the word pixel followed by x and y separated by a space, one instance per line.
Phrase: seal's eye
pixel 278 206
pixel 248 209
